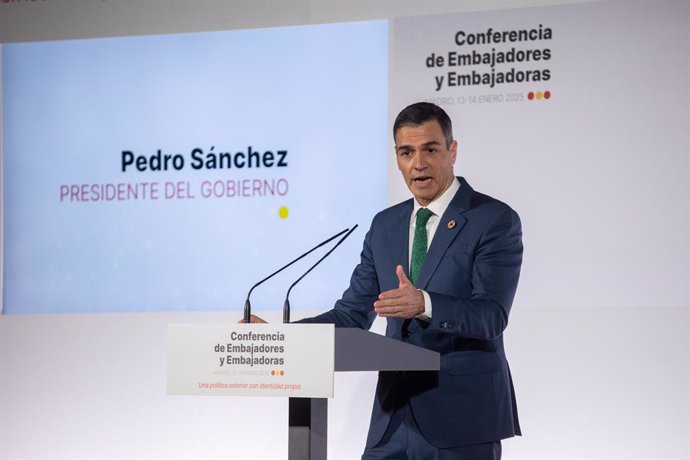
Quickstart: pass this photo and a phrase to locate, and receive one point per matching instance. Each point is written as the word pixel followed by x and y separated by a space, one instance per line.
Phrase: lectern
pixel 355 350
pixel 286 360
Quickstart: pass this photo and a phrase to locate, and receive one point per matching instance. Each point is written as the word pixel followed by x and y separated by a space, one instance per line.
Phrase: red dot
pixel 282 372
pixel 547 94
pixel 273 372
pixel 530 95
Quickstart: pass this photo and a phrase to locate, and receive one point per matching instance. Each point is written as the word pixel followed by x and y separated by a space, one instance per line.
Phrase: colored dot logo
pixel 283 212
pixel 538 95
pixel 278 373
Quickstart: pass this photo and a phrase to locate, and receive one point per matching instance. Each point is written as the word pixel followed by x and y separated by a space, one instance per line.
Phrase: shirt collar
pixel 440 204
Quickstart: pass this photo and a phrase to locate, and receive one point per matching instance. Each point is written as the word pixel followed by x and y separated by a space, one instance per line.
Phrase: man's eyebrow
pixel 425 144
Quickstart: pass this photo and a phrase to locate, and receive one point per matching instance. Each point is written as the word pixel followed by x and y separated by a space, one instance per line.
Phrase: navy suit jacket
pixel 471 273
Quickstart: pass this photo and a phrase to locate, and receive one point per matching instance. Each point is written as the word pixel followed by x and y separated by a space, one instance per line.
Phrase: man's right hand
pixel 253 319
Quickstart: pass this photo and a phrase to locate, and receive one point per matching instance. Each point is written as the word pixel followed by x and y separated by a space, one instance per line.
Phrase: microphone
pixel 248 305
pixel 286 305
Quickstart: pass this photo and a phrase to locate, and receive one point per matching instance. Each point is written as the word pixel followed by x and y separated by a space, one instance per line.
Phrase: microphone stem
pixel 247 304
pixel 286 305
pixel 286 311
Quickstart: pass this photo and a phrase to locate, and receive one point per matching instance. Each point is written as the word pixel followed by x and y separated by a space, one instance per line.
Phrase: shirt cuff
pixel 426 316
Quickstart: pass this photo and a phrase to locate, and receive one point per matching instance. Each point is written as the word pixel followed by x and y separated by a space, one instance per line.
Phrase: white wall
pixel 608 382
pixel 64 19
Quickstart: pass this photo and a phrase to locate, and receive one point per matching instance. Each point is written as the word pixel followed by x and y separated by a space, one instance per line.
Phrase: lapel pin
pixel 451 224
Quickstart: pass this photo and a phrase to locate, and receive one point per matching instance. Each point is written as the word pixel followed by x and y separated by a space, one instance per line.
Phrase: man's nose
pixel 419 161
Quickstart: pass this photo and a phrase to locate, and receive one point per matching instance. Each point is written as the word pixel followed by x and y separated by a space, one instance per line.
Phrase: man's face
pixel 424 160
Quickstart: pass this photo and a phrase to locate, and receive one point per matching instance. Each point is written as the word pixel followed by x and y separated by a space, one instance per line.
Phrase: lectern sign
pixel 294 360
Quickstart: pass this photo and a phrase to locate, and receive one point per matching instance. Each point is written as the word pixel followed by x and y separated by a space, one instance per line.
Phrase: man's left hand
pixel 404 302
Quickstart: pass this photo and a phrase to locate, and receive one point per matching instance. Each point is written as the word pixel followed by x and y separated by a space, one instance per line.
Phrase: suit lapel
pixel 449 227
pixel 400 235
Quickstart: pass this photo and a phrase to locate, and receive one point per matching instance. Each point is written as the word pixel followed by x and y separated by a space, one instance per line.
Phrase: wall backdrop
pixel 574 114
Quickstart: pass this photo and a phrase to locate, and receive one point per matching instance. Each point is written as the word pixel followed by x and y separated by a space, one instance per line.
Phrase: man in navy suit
pixel 443 269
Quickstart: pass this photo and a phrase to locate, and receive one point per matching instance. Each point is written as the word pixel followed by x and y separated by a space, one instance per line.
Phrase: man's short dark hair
pixel 421 112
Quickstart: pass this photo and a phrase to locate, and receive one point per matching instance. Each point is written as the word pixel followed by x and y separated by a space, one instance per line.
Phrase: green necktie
pixel 419 244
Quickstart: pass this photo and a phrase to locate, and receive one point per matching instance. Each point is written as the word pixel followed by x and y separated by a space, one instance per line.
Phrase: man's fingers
pixel 400 311
pixel 254 319
pixel 401 302
pixel 388 301
pixel 387 307
pixel 392 294
pixel 402 278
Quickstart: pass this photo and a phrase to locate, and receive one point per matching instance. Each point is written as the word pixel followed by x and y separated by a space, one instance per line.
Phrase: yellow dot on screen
pixel 539 95
pixel 283 212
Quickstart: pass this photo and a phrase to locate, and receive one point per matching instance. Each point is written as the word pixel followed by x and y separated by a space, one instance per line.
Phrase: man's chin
pixel 422 198
pixel 424 191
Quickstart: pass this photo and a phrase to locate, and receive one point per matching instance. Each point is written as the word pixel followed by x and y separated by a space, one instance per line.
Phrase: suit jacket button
pixel 406 333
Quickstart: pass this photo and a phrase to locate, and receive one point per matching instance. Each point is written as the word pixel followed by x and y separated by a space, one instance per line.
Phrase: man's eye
pixel 431 150
pixel 405 153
